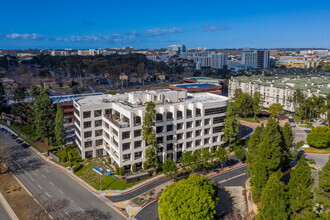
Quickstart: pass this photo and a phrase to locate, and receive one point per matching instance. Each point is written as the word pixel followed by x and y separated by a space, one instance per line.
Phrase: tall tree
pixel 237 93
pixel 151 157
pixel 276 109
pixel 19 94
pixel 323 192
pixel 35 91
pixel 59 126
pixel 44 115
pixel 252 147
pixel 148 131
pixel 221 154
pixel 206 157
pixel 300 186
pixel 187 159
pixel 274 200
pixel 298 98
pixel 3 101
pixel 257 104
pixel 230 129
pixel 239 150
pixel 244 104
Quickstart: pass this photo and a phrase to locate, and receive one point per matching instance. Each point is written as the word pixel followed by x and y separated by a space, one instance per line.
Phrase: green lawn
pixel 296 119
pixel 316 150
pixel 108 182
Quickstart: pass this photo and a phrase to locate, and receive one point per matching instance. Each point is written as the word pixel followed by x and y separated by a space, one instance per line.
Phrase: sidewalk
pixel 7 207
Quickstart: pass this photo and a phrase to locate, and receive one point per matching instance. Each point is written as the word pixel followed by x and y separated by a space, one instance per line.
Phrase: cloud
pixel 221 27
pixel 101 38
pixel 158 31
pixel 32 36
pixel 125 37
pixel 83 38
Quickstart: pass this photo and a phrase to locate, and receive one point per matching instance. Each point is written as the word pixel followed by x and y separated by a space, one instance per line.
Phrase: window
pixel 197 143
pixel 106 125
pixel 159 129
pixel 159 140
pixel 215 139
pixel 179 126
pixel 218 120
pixel 137 144
pixel 178 115
pixel 98 133
pixel 217 129
pixel 107 135
pixel 79 141
pixel 169 137
pixel 115 132
pixel 179 146
pixel 77 121
pixel 137 155
pixel 206 131
pixel 206 140
pixel 77 112
pixel 108 111
pixel 207 121
pixel 97 113
pixel 189 134
pixel 137 133
pixel 87 124
pixel 115 142
pixel 198 133
pixel 159 117
pixel 169 128
pixel 137 120
pixel 125 135
pixel 126 146
pixel 213 111
pixel 87 114
pixel 189 113
pixel 169 147
pixel 126 156
pixel 98 142
pixel 179 136
pixel 77 131
pixel 188 144
pixel 169 116
pixel 88 144
pixel 189 124
pixel 98 123
pixel 198 112
pixel 87 134
pixel 198 123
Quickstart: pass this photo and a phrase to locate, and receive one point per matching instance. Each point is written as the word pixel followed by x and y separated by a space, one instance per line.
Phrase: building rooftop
pixel 194 85
pixel 70 98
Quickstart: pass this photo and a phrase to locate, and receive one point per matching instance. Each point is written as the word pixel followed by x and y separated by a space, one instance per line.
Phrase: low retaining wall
pixel 55 157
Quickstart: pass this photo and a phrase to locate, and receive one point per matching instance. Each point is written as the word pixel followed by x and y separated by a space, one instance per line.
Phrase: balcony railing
pixel 117 122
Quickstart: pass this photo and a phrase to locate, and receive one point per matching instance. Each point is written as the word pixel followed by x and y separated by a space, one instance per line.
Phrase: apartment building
pixel 278 89
pixel 207 59
pixel 255 58
pixel 112 124
pixel 176 49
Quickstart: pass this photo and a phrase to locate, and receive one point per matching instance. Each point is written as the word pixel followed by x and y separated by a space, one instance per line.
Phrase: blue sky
pixel 156 24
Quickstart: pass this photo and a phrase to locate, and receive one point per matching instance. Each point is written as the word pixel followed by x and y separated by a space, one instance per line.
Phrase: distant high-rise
pixel 255 58
pixel 176 49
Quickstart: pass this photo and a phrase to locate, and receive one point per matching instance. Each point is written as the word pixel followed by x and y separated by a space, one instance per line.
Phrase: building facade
pixel 255 58
pixel 112 125
pixel 176 49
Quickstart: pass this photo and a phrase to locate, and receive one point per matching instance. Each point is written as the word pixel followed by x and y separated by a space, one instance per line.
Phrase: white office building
pixel 207 59
pixel 112 124
pixel 255 58
pixel 176 49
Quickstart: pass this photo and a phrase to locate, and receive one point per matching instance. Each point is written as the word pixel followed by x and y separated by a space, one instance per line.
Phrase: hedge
pixel 77 167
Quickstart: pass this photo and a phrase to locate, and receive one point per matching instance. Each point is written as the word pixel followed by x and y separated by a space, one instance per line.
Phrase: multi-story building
pixel 280 89
pixel 198 87
pixel 176 49
pixel 112 124
pixel 296 63
pixel 207 59
pixel 255 58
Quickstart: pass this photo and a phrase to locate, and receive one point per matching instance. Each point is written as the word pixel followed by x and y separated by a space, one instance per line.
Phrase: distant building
pixel 176 49
pixel 255 58
pixel 297 63
pixel 59 53
pixel 198 88
pixel 90 52
pixel 207 59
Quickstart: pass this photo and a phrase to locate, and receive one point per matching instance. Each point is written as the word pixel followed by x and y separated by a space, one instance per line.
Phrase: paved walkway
pixel 6 213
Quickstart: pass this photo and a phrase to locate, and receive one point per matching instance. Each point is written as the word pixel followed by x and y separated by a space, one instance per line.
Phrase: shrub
pixel 77 167
pixel 134 168
pixel 52 150
pixel 109 160
pixel 63 155
pixel 117 170
pixel 121 171
pixel 145 165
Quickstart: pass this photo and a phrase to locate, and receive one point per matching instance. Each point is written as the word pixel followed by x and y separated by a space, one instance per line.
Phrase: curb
pixel 144 205
pixel 121 211
pixel 246 197
pixel 7 207
pixel 123 193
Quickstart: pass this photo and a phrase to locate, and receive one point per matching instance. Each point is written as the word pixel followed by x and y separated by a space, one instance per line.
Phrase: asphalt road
pixel 54 188
pixel 320 159
pixel 235 177
pixel 3 213
pixel 138 191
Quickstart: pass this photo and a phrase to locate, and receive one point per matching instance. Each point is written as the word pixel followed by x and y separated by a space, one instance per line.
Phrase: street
pixel 52 187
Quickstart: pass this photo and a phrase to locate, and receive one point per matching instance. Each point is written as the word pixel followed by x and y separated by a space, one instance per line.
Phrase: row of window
pixel 137 155
pixel 98 142
pixel 88 114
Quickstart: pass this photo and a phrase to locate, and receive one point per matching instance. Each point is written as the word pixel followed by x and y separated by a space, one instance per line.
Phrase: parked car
pixel 25 145
pixel 19 141
pixel 13 136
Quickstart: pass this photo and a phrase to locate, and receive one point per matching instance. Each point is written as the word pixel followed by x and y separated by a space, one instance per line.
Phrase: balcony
pixel 117 121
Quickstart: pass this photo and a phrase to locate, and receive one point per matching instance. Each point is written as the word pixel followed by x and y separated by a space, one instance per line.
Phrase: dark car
pixel 25 145
pixel 13 136
pixel 19 141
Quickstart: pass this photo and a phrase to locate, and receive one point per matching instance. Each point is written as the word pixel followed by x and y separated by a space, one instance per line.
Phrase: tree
pixel 252 146
pixel 35 91
pixel 324 178
pixel 59 126
pixel 230 129
pixel 134 168
pixel 141 71
pixel 257 102
pixel 206 157
pixel 239 151
pixel 237 93
pixel 151 157
pixel 121 171
pixel 244 104
pixel 43 116
pixel 288 135
pixel 3 101
pixel 298 98
pixel 19 94
pixel 186 159
pixel 319 137
pixel 300 186
pixel 169 168
pixel 148 131
pixel 274 199
pixel 221 154
pixel 276 109
pixel 193 198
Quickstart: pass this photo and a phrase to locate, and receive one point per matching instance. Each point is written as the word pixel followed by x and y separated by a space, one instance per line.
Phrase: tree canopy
pixel 319 137
pixel 192 198
pixel 59 126
pixel 169 168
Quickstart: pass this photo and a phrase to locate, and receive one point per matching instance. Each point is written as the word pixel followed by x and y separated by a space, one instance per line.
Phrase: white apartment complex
pixel 112 124
pixel 207 59
pixel 280 89
pixel 255 58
